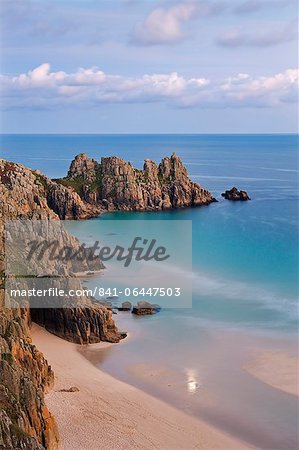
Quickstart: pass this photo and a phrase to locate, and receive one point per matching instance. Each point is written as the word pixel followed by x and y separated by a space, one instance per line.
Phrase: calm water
pixel 245 268
pixel 245 254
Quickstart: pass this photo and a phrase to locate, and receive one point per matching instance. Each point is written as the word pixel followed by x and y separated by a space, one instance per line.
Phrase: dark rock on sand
pixel 71 389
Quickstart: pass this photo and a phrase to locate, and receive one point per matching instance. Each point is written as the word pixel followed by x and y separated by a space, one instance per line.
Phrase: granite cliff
pixel 114 184
pixel 25 376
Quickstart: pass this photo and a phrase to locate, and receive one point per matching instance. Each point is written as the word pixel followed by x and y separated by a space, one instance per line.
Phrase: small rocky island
pixel 234 194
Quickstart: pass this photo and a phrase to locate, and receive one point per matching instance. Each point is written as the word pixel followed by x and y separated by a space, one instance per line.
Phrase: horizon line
pixel 150 134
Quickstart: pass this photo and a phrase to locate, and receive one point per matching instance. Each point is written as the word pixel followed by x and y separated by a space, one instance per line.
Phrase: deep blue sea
pixel 245 272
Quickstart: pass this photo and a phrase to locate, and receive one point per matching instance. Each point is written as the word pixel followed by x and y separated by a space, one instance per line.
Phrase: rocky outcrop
pixel 86 325
pixel 68 204
pixel 235 195
pixel 144 308
pixel 25 196
pixel 114 184
pixel 25 421
pixel 29 194
pixel 83 166
pixel 25 376
pixel 91 187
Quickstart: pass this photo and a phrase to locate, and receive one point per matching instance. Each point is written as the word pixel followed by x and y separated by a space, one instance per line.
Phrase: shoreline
pixel 113 413
pixel 201 387
pixel 276 369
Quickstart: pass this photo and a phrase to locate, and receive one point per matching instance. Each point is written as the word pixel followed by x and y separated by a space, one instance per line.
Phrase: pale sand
pixel 277 369
pixel 107 414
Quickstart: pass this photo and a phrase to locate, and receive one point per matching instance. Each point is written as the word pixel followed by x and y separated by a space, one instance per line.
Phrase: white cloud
pixel 164 25
pixel 263 91
pixel 41 88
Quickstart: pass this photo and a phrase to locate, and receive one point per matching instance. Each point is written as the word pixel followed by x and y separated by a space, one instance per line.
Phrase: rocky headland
pixel 114 184
pixel 25 376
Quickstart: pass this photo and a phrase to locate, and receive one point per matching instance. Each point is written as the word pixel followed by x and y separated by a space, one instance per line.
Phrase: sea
pixel 244 277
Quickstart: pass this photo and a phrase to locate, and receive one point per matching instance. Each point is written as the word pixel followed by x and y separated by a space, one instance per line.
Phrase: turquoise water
pixel 245 277
pixel 245 255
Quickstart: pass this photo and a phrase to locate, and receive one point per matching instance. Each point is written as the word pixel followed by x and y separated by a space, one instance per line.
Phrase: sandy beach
pixel 277 369
pixel 108 414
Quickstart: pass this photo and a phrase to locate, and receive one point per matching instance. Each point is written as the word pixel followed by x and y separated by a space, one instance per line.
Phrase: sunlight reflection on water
pixel 192 381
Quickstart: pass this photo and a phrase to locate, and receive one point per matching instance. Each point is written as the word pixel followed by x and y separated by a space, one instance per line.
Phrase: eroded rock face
pixel 25 375
pixel 86 325
pixel 26 194
pixel 83 166
pixel 68 204
pixel 25 421
pixel 114 184
pixel 29 194
pixel 235 195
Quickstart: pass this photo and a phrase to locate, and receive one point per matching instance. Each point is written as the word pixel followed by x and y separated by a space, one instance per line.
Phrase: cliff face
pixel 27 193
pixel 80 325
pixel 114 184
pixel 25 422
pixel 25 376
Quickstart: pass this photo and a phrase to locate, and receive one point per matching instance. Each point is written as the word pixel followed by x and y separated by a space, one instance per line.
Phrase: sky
pixel 148 66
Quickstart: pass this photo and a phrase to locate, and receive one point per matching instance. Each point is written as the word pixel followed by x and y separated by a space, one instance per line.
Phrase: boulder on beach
pixel 71 389
pixel 234 194
pixel 145 308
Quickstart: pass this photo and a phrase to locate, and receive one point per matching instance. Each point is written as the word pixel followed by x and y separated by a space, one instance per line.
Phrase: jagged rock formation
pixel 25 376
pixel 79 325
pixel 234 194
pixel 30 194
pixel 114 184
pixel 25 421
pixel 24 195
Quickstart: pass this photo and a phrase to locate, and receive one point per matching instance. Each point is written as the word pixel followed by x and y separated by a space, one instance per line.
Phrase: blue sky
pixel 146 66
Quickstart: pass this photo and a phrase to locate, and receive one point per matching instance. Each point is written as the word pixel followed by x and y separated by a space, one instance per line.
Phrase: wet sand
pixel 209 380
pixel 108 414
pixel 277 369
